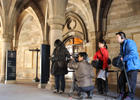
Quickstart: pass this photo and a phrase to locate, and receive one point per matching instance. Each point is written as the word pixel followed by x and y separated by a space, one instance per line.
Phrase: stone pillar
pixel 6 45
pixel 55 33
pixel 57 10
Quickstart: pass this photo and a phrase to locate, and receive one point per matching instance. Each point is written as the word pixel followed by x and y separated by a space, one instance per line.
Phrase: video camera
pixel 75 56
pixel 117 62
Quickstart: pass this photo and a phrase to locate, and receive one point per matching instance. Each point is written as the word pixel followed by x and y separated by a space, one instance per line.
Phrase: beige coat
pixel 84 73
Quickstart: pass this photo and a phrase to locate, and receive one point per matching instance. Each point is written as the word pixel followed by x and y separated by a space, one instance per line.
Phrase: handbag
pixel 62 64
pixel 97 64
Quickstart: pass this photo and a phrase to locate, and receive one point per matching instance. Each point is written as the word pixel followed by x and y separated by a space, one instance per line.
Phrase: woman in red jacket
pixel 102 55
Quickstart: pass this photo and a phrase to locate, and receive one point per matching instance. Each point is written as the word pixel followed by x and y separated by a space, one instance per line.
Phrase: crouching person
pixel 84 75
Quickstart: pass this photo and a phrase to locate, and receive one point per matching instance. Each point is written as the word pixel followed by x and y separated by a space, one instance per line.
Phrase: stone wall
pixel 123 16
pixel 29 38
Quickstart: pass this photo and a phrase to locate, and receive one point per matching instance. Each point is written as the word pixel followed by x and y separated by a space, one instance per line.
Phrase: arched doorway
pixel 74 45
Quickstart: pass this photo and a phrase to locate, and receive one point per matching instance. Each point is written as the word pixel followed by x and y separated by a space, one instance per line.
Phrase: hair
pixel 57 43
pixel 84 55
pixel 122 34
pixel 103 42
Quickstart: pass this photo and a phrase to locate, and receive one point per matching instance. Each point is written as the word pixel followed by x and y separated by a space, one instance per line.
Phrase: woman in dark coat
pixel 59 66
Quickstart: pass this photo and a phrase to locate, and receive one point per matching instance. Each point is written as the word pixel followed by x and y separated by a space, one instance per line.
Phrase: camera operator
pixel 130 56
pixel 84 75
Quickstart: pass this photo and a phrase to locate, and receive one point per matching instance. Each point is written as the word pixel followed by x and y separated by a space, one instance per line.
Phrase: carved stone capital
pixel 57 20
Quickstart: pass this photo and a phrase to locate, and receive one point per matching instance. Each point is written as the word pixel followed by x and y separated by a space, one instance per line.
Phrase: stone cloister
pixel 26 24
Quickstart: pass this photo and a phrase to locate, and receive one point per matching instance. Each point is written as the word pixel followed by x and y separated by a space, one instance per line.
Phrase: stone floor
pixel 29 91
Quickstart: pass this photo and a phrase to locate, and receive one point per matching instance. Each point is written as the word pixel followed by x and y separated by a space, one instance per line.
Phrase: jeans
pixel 62 80
pixel 81 90
pixel 132 78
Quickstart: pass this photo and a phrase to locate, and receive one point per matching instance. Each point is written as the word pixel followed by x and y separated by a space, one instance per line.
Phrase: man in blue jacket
pixel 130 56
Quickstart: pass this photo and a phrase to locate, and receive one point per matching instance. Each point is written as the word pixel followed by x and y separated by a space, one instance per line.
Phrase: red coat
pixel 103 58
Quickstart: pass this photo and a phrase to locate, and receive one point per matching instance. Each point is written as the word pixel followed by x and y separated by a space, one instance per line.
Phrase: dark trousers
pixel 81 90
pixel 132 78
pixel 102 85
pixel 62 80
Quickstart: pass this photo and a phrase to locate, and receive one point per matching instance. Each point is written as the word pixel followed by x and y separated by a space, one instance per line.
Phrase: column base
pixel 50 85
pixel 10 81
pixel 2 79
pixel 41 86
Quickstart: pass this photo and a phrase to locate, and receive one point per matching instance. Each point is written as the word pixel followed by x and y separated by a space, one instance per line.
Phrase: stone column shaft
pixel 6 45
pixel 55 33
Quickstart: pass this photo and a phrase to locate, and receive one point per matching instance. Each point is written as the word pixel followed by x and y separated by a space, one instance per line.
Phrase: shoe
pixel 105 93
pixel 99 92
pixel 61 92
pixel 81 97
pixel 120 97
pixel 128 98
pixel 90 96
pixel 55 91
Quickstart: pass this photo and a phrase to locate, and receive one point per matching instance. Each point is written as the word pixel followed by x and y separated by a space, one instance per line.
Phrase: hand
pixel 97 59
pixel 72 58
pixel 49 57
pixel 121 59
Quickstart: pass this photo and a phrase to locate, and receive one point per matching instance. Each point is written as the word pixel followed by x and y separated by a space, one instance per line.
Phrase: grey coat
pixel 84 73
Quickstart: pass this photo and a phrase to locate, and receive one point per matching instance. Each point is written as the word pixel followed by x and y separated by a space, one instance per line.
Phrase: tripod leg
pixel 72 88
pixel 127 80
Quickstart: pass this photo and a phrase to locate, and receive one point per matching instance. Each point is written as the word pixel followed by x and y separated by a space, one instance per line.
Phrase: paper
pixel 102 75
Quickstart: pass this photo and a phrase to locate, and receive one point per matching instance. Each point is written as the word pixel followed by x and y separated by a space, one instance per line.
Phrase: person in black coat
pixel 59 65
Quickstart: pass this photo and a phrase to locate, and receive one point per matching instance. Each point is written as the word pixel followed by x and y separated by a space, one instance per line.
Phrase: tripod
pixel 72 89
pixel 123 63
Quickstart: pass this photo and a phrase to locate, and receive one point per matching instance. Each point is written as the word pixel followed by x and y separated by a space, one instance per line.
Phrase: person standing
pixel 102 55
pixel 59 65
pixel 130 56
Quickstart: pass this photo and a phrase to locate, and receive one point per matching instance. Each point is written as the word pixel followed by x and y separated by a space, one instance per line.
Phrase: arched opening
pixel 74 44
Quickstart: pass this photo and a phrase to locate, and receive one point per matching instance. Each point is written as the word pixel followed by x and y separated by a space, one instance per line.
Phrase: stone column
pixel 55 33
pixel 6 45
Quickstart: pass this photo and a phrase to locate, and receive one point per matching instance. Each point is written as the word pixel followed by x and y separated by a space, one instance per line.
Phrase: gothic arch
pixel 25 4
pixel 102 12
pixel 87 12
pixel 83 35
pixel 24 15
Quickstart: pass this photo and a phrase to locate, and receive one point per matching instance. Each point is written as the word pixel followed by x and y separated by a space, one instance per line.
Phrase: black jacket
pixel 61 53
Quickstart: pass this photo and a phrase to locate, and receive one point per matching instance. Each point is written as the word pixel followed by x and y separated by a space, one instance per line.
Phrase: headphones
pixel 122 34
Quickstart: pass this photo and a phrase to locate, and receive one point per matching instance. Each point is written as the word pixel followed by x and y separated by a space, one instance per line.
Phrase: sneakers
pixel 128 98
pixel 90 96
pixel 61 92
pixel 105 93
pixel 120 97
pixel 81 97
pixel 55 91
pixel 99 92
